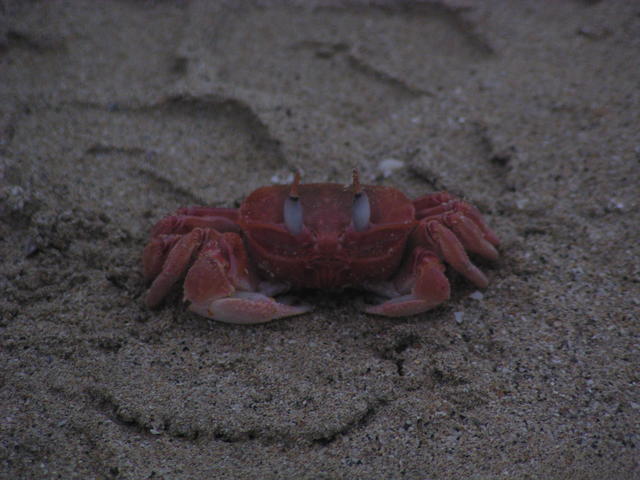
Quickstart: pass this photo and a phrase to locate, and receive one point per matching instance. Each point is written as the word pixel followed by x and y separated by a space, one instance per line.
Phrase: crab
pixel 320 235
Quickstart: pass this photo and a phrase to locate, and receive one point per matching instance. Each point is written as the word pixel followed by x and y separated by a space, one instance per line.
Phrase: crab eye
pixel 293 208
pixel 361 211
pixel 293 215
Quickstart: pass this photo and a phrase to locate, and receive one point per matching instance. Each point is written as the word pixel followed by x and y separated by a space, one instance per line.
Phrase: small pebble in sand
pixel 284 179
pixel 521 203
pixel 615 204
pixel 390 165
pixel 477 295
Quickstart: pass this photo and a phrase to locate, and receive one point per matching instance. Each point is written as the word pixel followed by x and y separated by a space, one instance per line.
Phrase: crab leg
pixel 451 227
pixel 173 267
pixel 155 253
pixel 435 235
pixel 186 219
pixel 420 285
pixel 436 204
pixel 470 235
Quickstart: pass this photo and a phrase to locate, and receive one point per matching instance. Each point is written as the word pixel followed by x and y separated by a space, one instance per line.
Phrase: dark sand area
pixel 114 113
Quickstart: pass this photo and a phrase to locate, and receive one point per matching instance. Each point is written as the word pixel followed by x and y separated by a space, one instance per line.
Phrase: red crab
pixel 321 235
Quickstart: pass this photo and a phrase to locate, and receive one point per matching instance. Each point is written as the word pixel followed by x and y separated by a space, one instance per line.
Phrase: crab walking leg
pixel 423 276
pixel 470 235
pixel 180 224
pixel 440 203
pixel 220 285
pixel 166 233
pixel 186 219
pixel 200 211
pixel 174 266
pixel 445 242
pixel 155 253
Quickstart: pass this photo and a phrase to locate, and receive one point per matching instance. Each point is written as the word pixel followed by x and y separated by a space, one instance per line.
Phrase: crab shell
pixel 329 252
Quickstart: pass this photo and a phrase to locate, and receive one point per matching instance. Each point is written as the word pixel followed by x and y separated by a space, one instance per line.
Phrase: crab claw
pixel 423 277
pixel 220 286
pixel 246 307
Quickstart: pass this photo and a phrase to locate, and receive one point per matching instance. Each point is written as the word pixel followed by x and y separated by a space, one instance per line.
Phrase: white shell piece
pixel 390 165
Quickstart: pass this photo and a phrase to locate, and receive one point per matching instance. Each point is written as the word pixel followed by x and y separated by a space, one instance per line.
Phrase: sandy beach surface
pixel 113 114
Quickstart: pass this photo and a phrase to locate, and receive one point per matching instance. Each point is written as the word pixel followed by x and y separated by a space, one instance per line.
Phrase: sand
pixel 113 114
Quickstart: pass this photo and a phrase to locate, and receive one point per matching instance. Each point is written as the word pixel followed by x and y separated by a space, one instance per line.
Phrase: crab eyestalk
pixel 293 209
pixel 361 212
